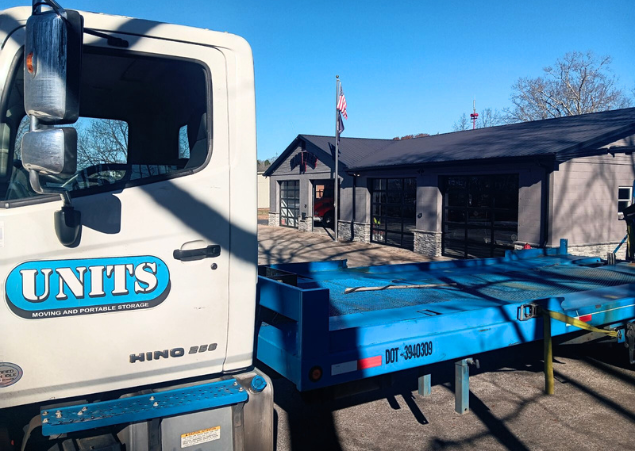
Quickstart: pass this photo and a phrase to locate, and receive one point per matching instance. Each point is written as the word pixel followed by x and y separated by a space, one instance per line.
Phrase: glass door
pixel 289 203
pixel 393 212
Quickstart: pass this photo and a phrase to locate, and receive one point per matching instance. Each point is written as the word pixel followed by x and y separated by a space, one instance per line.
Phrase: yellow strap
pixel 576 322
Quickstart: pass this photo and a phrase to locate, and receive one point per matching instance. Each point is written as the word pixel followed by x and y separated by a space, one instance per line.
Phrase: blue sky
pixel 407 67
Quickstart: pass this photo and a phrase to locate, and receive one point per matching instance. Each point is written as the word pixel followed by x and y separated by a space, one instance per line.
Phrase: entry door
pixel 125 306
pixel 289 203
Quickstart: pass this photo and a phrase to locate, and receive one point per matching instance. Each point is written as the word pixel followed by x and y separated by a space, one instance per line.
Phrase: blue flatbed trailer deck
pixel 340 324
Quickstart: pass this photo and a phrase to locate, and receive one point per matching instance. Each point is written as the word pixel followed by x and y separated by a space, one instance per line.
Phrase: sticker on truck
pixel 10 373
pixel 355 365
pixel 55 288
pixel 199 437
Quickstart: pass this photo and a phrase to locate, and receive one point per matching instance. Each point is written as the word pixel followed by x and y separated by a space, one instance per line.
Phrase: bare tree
pixel 461 124
pixel 262 165
pixel 576 84
pixel 490 118
pixel 487 118
pixel 101 142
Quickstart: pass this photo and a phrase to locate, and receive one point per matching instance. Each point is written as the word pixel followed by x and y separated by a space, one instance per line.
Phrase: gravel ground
pixel 593 407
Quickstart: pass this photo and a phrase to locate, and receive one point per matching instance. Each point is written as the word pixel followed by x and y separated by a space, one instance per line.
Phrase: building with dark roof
pixel 470 193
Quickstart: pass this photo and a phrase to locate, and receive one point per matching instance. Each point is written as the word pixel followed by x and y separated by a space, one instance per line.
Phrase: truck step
pixel 143 407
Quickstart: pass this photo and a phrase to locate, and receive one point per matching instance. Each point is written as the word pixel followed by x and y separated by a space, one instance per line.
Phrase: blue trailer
pixel 323 324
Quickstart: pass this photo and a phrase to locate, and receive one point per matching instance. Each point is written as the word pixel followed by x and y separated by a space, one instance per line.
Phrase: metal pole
pixel 548 355
pixel 336 183
pixel 461 387
pixel 424 384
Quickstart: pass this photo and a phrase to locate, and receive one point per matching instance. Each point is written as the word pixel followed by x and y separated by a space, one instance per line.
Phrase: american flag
pixel 341 104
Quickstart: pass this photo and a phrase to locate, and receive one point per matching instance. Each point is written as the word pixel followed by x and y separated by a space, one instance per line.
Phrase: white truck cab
pixel 128 250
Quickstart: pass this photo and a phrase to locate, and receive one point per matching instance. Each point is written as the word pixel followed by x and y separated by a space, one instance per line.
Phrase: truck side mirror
pixel 51 151
pixel 52 75
pixel 52 66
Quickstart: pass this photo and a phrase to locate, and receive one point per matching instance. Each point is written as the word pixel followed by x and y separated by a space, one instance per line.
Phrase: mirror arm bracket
pixel 37 7
pixel 34 179
pixel 68 221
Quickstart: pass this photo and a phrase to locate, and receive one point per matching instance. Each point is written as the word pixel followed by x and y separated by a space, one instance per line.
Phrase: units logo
pixel 54 288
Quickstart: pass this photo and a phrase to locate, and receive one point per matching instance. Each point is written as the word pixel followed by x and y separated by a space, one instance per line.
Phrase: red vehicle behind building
pixel 323 210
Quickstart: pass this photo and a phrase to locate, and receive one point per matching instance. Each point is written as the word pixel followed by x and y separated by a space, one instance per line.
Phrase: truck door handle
pixel 210 251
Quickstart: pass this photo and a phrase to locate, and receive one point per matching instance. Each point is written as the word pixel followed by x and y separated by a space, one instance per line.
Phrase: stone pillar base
pixel 305 225
pixel 427 243
pixel 597 250
pixel 359 232
pixel 587 250
pixel 274 219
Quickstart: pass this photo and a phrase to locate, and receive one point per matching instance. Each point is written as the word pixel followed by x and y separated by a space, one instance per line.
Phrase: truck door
pixel 142 297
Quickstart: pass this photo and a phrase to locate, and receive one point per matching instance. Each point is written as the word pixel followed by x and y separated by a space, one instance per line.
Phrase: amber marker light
pixel 29 63
pixel 315 374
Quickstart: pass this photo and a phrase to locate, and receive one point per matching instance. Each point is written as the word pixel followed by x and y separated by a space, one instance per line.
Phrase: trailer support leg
pixel 548 355
pixel 425 385
pixel 461 386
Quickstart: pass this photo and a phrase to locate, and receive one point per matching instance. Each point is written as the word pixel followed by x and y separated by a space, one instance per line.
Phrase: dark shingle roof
pixel 352 150
pixel 561 138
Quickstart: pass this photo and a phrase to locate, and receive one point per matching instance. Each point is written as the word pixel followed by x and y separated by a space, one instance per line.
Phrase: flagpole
pixel 336 184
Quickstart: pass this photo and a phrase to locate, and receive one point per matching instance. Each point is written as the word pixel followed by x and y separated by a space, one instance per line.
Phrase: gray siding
pixel 352 200
pixel 532 205
pixel 584 199
pixel 323 171
pixel 274 195
pixel 362 201
pixel 323 165
pixel 429 203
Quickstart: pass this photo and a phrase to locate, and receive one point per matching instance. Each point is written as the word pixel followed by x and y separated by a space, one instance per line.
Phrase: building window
pixel 480 215
pixel 393 211
pixel 624 196
pixel 289 203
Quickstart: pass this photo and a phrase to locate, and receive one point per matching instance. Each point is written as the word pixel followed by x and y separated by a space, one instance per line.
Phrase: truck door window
pixel 143 119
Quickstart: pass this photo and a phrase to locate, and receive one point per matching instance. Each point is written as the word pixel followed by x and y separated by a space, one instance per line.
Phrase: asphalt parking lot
pixel 593 406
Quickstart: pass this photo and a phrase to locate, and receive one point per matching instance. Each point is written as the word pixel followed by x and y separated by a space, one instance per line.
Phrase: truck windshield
pixel 142 119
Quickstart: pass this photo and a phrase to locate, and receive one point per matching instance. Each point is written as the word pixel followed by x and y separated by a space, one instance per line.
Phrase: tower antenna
pixel 474 115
